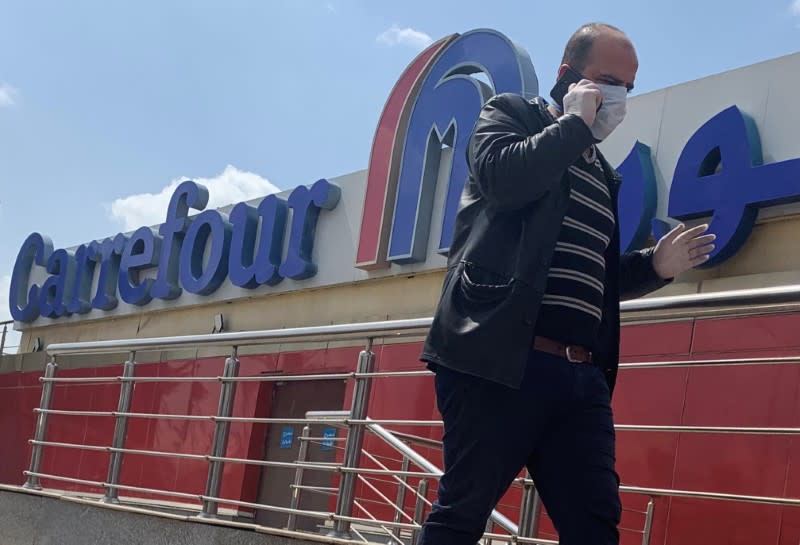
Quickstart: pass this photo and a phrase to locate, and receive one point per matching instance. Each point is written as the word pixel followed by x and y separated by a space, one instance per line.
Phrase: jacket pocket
pixel 478 327
pixel 482 287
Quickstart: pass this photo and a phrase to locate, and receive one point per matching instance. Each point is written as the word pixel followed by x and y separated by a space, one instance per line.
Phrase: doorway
pixel 292 400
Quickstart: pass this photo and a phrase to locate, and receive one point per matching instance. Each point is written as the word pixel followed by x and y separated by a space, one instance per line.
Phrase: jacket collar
pixel 611 173
pixel 614 178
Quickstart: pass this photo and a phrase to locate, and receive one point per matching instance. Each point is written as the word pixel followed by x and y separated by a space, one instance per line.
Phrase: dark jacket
pixel 506 230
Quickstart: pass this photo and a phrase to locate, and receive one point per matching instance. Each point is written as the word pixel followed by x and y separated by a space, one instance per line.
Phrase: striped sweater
pixel 571 308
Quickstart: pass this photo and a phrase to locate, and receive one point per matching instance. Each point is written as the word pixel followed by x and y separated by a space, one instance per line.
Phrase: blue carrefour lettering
pixel 80 296
pixel 248 267
pixel 61 266
pixel 24 302
pixel 139 254
pixel 187 195
pixel 306 205
pixel 196 254
pixel 207 228
pixel 107 255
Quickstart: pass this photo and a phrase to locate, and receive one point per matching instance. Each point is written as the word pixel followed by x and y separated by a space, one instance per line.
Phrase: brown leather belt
pixel 571 353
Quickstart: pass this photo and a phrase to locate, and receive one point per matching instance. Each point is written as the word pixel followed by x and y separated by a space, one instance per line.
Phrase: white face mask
pixel 612 112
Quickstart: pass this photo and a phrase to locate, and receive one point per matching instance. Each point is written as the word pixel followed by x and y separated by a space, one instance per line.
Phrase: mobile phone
pixel 561 87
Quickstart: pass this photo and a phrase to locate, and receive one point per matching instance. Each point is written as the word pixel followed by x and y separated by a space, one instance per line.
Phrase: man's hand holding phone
pixel 583 99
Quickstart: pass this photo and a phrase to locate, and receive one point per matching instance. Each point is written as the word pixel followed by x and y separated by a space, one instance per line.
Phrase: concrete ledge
pixel 46 519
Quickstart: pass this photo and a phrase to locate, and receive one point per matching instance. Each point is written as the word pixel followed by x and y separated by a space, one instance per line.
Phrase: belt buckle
pixel 570 358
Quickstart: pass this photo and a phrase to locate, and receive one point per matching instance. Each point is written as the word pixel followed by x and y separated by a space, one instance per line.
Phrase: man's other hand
pixel 682 249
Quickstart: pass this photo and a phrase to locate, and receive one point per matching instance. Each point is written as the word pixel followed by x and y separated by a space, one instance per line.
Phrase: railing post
pixel 648 522
pixel 355 441
pixel 3 339
pixel 489 529
pixel 530 510
pixel 302 457
pixel 41 425
pixel 526 509
pixel 537 513
pixel 401 496
pixel 120 429
pixel 220 444
pixel 419 508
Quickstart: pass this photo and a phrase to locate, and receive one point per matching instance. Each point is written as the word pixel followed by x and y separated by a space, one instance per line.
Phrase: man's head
pixel 601 53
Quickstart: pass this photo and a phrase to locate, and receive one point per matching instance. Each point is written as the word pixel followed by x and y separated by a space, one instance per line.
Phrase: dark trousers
pixel 558 424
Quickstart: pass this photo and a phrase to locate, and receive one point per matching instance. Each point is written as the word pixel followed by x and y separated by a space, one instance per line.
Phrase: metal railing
pixel 752 297
pixel 351 517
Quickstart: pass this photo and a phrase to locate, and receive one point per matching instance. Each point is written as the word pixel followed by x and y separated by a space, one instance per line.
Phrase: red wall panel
pixel 758 396
pixel 715 396
pixel 70 429
pixel 790 526
pixel 671 338
pixel 747 333
pixel 703 522
pixel 142 401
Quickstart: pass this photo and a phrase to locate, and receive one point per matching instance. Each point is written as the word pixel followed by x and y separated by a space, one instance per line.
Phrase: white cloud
pixel 795 8
pixel 404 36
pixel 232 186
pixel 8 95
pixel 330 7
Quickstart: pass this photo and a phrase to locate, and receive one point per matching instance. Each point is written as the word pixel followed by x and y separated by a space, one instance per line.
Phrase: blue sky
pixel 104 101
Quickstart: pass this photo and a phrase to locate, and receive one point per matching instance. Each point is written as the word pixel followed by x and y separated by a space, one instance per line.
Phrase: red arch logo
pixel 385 159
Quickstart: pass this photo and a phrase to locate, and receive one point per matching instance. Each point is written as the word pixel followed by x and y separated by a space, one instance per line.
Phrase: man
pixel 525 340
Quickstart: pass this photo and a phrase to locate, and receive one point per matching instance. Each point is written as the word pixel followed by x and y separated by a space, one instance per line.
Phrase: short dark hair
pixel 579 46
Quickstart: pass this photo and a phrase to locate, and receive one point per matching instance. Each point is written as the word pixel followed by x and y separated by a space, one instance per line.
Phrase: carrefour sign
pixel 185 254
pixel 405 204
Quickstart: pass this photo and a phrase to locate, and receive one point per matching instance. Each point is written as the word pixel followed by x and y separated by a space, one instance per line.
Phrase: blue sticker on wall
pixel 328 438
pixel 287 437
